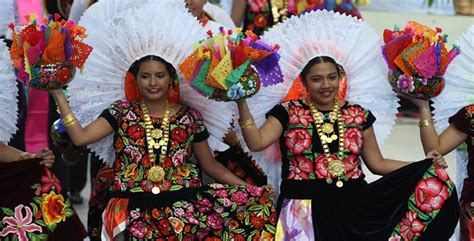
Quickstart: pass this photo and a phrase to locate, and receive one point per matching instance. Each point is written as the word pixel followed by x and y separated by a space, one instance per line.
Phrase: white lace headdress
pixel 122 32
pixel 8 96
pixel 353 44
pixel 459 89
pixel 458 92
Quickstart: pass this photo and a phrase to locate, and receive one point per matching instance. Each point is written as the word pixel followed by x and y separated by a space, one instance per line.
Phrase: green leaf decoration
pixel 236 74
pixel 7 211
pixel 270 228
pixel 199 81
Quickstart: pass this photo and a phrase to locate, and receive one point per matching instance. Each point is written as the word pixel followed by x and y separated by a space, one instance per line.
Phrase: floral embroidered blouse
pixel 302 153
pixel 132 161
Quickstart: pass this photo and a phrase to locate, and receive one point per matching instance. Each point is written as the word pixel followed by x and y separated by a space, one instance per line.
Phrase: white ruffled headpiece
pixel 8 96
pixel 459 89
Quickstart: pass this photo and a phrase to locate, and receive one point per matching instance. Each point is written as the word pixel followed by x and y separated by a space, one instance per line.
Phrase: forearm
pixel 74 130
pixel 428 135
pixel 389 165
pixel 251 133
pixel 224 175
pixel 238 11
pixel 9 154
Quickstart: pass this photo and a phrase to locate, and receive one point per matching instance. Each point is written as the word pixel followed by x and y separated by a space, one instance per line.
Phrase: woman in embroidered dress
pixel 141 126
pixel 322 139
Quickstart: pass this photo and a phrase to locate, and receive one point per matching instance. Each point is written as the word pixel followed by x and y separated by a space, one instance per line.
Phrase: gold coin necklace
pixel 335 167
pixel 156 139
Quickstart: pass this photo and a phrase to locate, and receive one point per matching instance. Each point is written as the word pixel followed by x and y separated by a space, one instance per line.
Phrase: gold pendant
pixel 156 174
pixel 334 137
pixel 328 128
pixel 156 145
pixel 328 140
pixel 156 133
pixel 155 190
pixel 336 168
pixel 339 184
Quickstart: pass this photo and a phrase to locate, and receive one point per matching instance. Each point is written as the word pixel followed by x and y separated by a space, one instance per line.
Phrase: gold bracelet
pixel 24 155
pixel 425 122
pixel 70 123
pixel 68 117
pixel 246 123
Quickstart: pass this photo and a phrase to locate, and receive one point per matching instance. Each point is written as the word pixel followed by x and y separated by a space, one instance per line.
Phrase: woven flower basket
pixel 465 7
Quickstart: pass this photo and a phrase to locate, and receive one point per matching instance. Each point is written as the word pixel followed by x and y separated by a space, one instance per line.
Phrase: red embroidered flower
pixel 470 109
pixel 239 197
pixel 257 222
pixel 50 182
pixel 164 226
pixel 353 114
pixel 430 194
pixel 351 165
pixel 179 134
pixel 299 116
pixel 260 21
pixel 136 132
pixel 300 168
pixel 297 141
pixel 410 226
pixel 353 140
pixel 118 144
pixel 257 6
pixel 322 166
pixel 441 174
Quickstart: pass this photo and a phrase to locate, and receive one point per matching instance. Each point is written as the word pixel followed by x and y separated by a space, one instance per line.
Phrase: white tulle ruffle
pixel 8 96
pixel 459 89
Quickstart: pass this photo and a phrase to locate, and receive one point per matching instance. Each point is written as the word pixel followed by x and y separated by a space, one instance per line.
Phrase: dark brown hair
pixel 169 67
pixel 318 60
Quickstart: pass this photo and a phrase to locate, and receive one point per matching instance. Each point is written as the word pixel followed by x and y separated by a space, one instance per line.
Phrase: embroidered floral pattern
pixel 424 204
pixel 304 163
pixel 41 217
pixel 220 213
pixel 132 163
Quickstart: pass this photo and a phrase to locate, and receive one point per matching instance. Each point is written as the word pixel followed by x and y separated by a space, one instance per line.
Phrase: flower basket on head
pixel 417 59
pixel 227 68
pixel 45 53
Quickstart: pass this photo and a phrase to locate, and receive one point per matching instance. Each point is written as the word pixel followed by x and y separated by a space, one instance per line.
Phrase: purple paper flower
pixel 405 84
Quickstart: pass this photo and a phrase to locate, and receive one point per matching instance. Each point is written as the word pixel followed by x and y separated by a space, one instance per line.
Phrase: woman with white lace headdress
pixel 454 119
pixel 139 127
pixel 323 141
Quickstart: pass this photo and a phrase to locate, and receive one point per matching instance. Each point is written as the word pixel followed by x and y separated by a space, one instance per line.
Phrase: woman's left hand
pixel 47 156
pixel 438 159
pixel 271 191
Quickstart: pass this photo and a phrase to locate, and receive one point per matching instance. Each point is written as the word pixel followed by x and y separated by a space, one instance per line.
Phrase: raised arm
pixel 444 143
pixel 79 135
pixel 212 167
pixel 258 139
pixel 238 11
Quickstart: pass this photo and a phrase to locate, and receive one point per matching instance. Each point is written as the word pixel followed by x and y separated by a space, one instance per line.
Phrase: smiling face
pixel 322 83
pixel 195 7
pixel 153 80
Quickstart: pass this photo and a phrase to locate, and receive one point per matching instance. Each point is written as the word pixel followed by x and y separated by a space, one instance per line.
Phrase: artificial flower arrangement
pixel 417 59
pixel 227 68
pixel 45 52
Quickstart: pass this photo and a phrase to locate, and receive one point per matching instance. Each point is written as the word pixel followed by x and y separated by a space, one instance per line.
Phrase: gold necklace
pixel 279 8
pixel 156 172
pixel 335 167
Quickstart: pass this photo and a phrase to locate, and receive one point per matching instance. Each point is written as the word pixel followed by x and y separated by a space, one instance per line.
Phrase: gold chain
pixel 279 8
pixel 156 172
pixel 335 167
